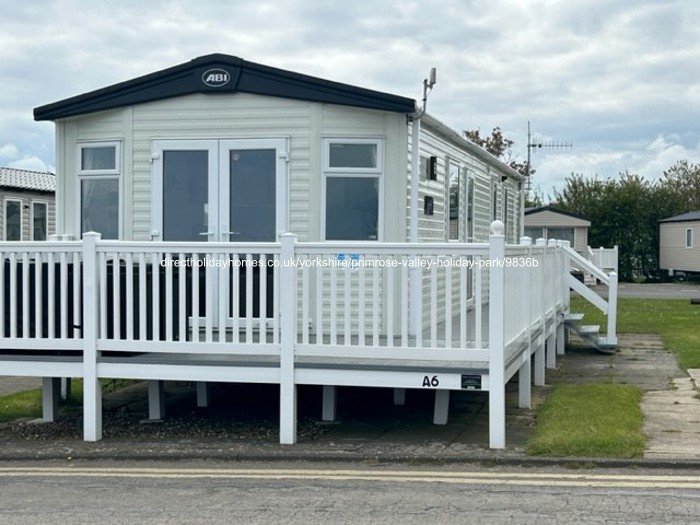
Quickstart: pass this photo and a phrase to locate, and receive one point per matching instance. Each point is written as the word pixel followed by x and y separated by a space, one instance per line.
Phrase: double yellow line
pixel 418 476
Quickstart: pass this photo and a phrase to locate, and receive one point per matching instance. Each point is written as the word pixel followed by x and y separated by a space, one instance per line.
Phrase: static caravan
pixel 548 222
pixel 679 243
pixel 28 205
pixel 221 149
pixel 227 221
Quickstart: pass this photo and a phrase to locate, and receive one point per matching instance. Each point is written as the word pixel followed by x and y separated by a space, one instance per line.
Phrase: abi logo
pixel 216 77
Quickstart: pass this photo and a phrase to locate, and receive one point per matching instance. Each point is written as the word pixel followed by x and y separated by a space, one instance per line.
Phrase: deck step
pixel 573 318
pixel 588 330
pixel 604 347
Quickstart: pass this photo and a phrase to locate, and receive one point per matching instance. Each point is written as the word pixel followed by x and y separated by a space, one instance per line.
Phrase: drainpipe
pixel 414 278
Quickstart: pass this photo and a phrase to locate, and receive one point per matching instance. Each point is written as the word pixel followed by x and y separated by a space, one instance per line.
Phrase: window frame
pixel 98 174
pixel 451 165
pixel 689 238
pixel 21 218
pixel 366 173
pixel 32 231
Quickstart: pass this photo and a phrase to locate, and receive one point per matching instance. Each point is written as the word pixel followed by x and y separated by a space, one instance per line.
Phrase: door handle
pixel 231 233
pixel 206 233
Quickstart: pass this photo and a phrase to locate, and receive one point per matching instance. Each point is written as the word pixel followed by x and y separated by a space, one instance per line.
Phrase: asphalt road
pixel 322 494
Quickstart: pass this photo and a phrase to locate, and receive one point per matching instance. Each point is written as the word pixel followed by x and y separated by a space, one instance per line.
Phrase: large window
pixel 13 220
pixel 99 188
pixel 453 197
pixel 561 234
pixel 353 177
pixel 40 220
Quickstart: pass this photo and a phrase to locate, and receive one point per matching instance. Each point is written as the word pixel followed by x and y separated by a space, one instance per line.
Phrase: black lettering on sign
pixel 430 382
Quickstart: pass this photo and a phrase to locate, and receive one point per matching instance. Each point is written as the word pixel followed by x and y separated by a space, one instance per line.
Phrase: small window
pixel 99 189
pixel 353 155
pixel 40 221
pixel 98 158
pixel 342 155
pixel 13 220
pixel 453 197
pixel 688 237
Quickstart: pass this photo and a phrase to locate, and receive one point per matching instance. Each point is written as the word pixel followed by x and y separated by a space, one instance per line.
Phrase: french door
pixel 223 191
pixel 219 190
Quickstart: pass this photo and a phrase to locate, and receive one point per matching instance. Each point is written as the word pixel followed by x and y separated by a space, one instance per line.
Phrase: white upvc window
pixel 99 188
pixel 40 220
pixel 688 237
pixel 13 219
pixel 353 183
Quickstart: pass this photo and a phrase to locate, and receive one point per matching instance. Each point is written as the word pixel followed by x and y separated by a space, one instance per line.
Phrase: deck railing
pixel 487 307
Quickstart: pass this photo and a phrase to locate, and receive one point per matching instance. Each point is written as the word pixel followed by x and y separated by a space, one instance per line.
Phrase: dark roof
pixel 690 216
pixel 538 209
pixel 223 74
pixel 27 180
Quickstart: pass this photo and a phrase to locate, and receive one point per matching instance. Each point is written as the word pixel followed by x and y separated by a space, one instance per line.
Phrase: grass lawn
pixel 27 404
pixel 605 420
pixel 22 404
pixel 675 320
pixel 589 420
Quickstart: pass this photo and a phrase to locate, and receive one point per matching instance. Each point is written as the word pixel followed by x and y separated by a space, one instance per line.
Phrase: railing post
pixel 288 321
pixel 497 297
pixel 525 372
pixel 612 309
pixel 92 392
pixel 539 375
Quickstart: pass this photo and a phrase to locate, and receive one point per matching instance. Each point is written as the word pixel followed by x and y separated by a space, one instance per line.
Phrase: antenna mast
pixel 534 146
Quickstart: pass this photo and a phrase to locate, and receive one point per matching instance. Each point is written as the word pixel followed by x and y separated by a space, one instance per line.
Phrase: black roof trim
pixel 243 76
pixel 690 216
pixel 529 211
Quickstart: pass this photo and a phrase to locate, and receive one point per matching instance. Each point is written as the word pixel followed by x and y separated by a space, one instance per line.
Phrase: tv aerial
pixel 535 145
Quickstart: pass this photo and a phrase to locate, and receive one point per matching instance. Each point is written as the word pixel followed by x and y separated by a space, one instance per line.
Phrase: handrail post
pixel 497 388
pixel 525 372
pixel 612 309
pixel 92 392
pixel 288 321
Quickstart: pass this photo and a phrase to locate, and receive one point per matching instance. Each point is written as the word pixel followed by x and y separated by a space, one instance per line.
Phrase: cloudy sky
pixel 619 79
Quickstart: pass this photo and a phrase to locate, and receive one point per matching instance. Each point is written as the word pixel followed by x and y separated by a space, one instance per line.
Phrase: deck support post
pixel 497 387
pixel 92 390
pixel 561 339
pixel 156 400
pixel 399 396
pixel 50 393
pixel 202 388
pixel 65 387
pixel 539 364
pixel 525 383
pixel 551 350
pixel 442 407
pixel 287 313
pixel 328 410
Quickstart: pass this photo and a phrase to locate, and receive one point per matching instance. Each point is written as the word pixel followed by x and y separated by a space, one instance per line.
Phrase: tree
pixel 681 184
pixel 625 212
pixel 498 146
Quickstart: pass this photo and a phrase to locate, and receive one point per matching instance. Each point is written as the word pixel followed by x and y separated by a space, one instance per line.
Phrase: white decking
pixel 334 314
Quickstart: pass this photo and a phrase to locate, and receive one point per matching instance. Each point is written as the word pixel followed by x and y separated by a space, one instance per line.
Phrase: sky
pixel 617 79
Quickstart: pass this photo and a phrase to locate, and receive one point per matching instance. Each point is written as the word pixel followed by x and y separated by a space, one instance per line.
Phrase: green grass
pixel 27 404
pixel 19 405
pixel 675 320
pixel 589 420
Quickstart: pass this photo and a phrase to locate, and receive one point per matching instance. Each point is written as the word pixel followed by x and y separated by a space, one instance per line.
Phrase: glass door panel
pixel 185 195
